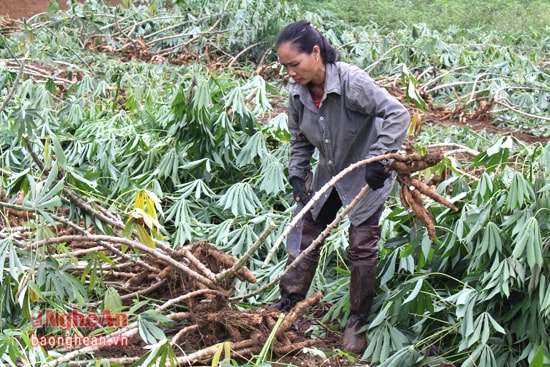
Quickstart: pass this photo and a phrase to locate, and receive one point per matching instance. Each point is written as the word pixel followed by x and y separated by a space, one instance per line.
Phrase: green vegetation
pixel 148 127
pixel 504 16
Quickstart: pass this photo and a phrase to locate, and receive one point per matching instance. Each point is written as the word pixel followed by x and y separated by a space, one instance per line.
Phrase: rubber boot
pixel 363 254
pixel 295 284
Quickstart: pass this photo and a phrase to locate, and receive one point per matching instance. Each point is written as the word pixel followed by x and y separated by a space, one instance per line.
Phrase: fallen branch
pixel 296 346
pixel 515 110
pixel 182 332
pixel 455 148
pixel 297 311
pixel 134 244
pixel 15 83
pixel 240 263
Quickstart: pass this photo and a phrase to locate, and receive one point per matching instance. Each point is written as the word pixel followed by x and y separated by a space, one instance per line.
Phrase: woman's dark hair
pixel 303 35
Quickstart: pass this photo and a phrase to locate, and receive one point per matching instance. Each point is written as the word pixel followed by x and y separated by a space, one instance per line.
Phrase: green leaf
pixel 196 188
pixel 59 153
pixel 495 155
pixel 240 199
pixel 112 300
pixel 415 292
pixel 538 358
pixel 272 176
pixel 144 236
pixel 520 194
pixel 254 148
pixel 149 332
pixel 529 242
pixel 405 356
pixel 490 245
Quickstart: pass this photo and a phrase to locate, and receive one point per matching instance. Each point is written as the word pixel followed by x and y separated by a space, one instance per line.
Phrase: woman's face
pixel 302 67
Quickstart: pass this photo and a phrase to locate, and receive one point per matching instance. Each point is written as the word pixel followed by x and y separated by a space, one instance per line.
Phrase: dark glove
pixel 376 175
pixel 299 190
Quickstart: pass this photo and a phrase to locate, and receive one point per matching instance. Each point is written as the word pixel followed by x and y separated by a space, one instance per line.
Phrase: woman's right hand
pixel 299 190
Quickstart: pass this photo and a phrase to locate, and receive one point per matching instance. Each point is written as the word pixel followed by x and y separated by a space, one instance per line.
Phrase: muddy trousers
pixel 295 284
pixel 363 255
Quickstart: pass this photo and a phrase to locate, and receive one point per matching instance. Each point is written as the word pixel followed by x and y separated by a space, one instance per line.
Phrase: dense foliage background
pixel 172 114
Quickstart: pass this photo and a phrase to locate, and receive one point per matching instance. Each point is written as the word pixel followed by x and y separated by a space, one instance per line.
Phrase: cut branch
pixel 133 244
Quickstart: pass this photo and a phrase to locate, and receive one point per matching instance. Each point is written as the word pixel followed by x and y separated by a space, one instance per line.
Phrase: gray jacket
pixel 356 120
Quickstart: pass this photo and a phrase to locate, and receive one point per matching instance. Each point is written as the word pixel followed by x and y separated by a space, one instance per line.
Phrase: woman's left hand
pixel 376 175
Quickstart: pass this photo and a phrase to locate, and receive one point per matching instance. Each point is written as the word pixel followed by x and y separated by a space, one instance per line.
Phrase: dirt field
pixel 18 9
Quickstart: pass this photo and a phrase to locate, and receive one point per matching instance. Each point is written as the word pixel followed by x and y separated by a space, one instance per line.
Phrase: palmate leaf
pixel 420 297
pixel 55 281
pixel 521 193
pixel 143 218
pixel 149 332
pixel 180 210
pixel 257 94
pixel 387 268
pixel 160 354
pixel 240 199
pixel 147 326
pixel 516 222
pixel 406 356
pixel 202 99
pixel 490 245
pixel 411 92
pixel 195 189
pixel 16 270
pixel 484 188
pixel 169 165
pixel 481 331
pixel 58 150
pixel 502 276
pixel 240 240
pixel 529 242
pixel 112 300
pixel 465 301
pixel 254 147
pixel 181 214
pixel 482 356
pixel 383 341
pixel 544 295
pixel 222 231
pixel 272 175
pixel 45 195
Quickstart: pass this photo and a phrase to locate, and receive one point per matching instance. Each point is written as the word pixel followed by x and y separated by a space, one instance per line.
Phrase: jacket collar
pixel 332 81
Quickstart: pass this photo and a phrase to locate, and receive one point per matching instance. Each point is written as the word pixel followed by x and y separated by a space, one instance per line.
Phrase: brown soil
pixel 19 9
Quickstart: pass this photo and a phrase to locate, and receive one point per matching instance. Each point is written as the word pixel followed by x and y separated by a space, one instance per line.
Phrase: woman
pixel 337 108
